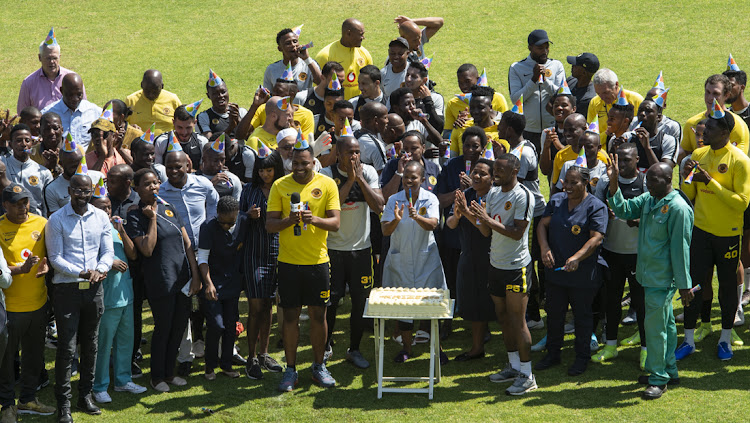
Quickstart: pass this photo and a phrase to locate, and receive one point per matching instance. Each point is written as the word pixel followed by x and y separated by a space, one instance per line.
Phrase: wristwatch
pixel 400 175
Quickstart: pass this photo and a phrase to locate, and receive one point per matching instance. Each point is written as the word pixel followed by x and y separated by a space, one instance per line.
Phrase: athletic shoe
pixel 541 345
pixel 102 397
pixel 654 392
pixel 578 368
pixel 724 351
pixel 736 340
pixel 43 380
pixel 548 361
pixel 177 381
pixel 238 360
pixel 702 332
pixel 36 407
pixel 355 357
pixel 160 387
pixel 199 348
pixel 135 370
pixel 303 316
pixel 680 317
pixel 289 380
pixel 570 327
pixel 594 342
pixel 535 324
pixel 683 351
pixel 252 369
pixel 506 375
pixel 269 364
pixel 322 376
pixel 131 388
pixel 633 340
pixel 522 385
pixel 631 318
pixel 745 297
pixel 642 361
pixel 328 353
pixel 607 353
pixel 625 300
pixel 739 318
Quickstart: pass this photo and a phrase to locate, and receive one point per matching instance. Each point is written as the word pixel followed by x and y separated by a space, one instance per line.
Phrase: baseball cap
pixel 13 193
pixel 538 37
pixel 400 41
pixel 104 125
pixel 587 61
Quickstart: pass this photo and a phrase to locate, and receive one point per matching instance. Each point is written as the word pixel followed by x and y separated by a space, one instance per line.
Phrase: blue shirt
pixel 78 121
pixel 195 203
pixel 118 286
pixel 431 173
pixel 77 243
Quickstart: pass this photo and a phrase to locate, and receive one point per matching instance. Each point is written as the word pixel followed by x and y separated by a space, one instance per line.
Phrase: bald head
pixel 370 112
pixel 395 120
pixel 577 120
pixel 152 84
pixel 121 171
pixel 72 90
pixel 659 180
pixel 409 30
pixel 352 33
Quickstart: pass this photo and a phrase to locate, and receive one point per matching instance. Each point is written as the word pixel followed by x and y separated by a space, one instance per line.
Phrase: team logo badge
pixel 547 73
pixel 665 209
pixel 337 180
pixel 351 77
pixel 422 211
pixel 167 111
pixel 508 205
pixel 361 61
pixel 321 128
pixel 302 76
pixel 215 121
pixel 35 235
pixel 593 182
pixel 433 180
pixel 169 213
pixel 34 180
pixel 17 189
pixel 316 193
pixel 25 254
pixel 575 229
pixel 723 168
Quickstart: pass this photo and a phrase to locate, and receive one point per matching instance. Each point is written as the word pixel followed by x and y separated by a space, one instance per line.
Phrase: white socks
pixel 515 360
pixel 689 337
pixel 726 336
pixel 747 278
pixel 526 368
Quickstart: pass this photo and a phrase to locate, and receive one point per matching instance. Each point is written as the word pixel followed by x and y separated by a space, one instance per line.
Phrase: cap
pixel 588 61
pixel 400 41
pixel 104 125
pixel 15 192
pixel 538 37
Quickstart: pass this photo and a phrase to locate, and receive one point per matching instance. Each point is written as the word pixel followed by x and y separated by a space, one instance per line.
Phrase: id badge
pixel 84 285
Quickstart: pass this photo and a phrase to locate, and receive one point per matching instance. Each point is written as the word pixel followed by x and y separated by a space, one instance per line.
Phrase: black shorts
pixel 746 223
pixel 304 284
pixel 499 281
pixel 708 250
pixel 353 268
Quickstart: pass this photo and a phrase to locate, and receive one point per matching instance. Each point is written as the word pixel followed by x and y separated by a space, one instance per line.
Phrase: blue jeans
pixel 221 322
pixel 116 335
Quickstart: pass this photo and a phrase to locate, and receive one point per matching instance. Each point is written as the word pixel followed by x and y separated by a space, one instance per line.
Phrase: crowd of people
pixel 341 176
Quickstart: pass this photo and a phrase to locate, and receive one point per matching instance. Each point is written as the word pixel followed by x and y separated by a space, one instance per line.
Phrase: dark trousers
pixel 27 330
pixel 77 312
pixel 138 295
pixel 536 139
pixel 580 300
pixel 536 293
pixel 353 269
pixel 171 315
pixel 622 268
pixel 221 323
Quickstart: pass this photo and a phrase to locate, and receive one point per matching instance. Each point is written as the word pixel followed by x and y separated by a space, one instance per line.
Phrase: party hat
pixel 731 63
pixel 621 100
pixel 218 144
pixel 427 61
pixel 301 142
pixel 334 85
pixel 482 82
pixel 689 178
pixel 391 152
pixel 192 108
pixel 100 191
pixel 172 145
pixel 263 151
pixel 69 146
pixel 661 99
pixel 283 103
pixel 488 153
pixel 347 130
pixel 107 113
pixel 465 97
pixel 82 168
pixel 298 29
pixel 518 107
pixel 517 151
pixel 593 127
pixel 718 112
pixel 288 75
pixel 581 159
pixel 564 88
pixel 148 136
pixel 213 79
pixel 52 41
pixel 659 81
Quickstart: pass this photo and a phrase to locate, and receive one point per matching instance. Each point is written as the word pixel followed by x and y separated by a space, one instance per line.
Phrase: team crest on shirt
pixel 433 180
pixel 508 205
pixel 17 189
pixel 316 193
pixel 352 77
pixel 169 213
pixel 547 73
pixel 321 128
pixel 575 229
pixel 34 180
pixel 665 209
pixel 312 102
pixel 361 61
pixel 302 76
pixel 723 168
pixel 167 110
pixel 422 211
pixel 337 180
pixel 215 121
pixel 35 235
pixel 593 182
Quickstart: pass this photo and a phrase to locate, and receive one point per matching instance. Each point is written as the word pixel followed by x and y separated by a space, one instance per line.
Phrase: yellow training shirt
pixel 320 194
pixel 303 119
pixel 146 112
pixel 259 133
pixel 740 136
pixel 457 146
pixel 599 110
pixel 566 154
pixel 351 58
pixel 456 106
pixel 720 205
pixel 27 293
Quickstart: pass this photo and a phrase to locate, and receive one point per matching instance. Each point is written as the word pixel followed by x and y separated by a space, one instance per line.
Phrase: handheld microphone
pixel 296 208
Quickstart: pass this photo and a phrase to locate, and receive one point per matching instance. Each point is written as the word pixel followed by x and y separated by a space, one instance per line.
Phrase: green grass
pixel 110 43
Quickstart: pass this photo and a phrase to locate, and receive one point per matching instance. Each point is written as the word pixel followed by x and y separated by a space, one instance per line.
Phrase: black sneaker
pixel 654 392
pixel 252 369
pixel 269 364
pixel 183 370
pixel 578 368
pixel 548 361
pixel 135 370
pixel 74 368
pixel 138 357
pixel 238 360
pixel 43 380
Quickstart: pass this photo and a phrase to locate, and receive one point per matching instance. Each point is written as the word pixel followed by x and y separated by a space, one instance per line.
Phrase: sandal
pixel 422 337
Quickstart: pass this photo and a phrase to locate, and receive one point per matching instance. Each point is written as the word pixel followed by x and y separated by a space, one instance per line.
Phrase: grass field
pixel 110 43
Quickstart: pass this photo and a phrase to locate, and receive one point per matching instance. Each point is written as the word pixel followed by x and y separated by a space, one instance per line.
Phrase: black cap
pixel 399 41
pixel 538 37
pixel 587 61
pixel 13 193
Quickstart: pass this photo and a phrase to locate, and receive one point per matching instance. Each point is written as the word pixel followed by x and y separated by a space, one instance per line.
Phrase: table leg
pixel 379 346
pixel 434 334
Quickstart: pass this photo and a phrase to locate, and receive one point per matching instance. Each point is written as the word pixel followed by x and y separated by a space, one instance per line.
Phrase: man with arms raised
pixel 349 52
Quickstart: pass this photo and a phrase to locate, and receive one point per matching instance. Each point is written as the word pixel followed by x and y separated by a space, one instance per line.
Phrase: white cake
pixel 409 302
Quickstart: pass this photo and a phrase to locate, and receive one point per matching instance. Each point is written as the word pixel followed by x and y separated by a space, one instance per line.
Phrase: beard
pixel 287 166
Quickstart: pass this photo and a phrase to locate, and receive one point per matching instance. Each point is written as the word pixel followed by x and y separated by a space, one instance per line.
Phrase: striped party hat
pixel 192 108
pixel 100 191
pixel 518 107
pixel 213 79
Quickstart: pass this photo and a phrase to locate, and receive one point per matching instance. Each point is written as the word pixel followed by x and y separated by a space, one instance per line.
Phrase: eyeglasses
pixel 78 191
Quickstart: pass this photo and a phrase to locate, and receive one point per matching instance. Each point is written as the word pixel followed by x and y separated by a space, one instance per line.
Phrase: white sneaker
pixel 199 348
pixel 535 324
pixel 739 318
pixel 303 316
pixel 130 387
pixel 570 327
pixel 102 397
pixel 680 317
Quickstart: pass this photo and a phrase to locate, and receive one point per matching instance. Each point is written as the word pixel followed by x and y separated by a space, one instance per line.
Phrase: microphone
pixel 296 208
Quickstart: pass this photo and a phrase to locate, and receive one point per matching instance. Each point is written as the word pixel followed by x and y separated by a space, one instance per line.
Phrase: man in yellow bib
pixel 349 52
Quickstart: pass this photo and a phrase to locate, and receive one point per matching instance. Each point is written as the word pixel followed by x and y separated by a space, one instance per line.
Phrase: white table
pixel 434 374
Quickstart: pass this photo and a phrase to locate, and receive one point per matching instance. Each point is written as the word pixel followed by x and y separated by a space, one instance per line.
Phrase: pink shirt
pixel 38 91
pixel 109 162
